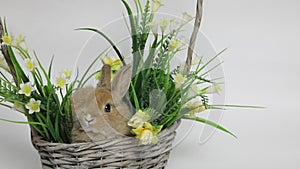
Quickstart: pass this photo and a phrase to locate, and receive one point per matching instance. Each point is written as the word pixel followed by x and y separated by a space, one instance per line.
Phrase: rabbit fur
pixel 102 112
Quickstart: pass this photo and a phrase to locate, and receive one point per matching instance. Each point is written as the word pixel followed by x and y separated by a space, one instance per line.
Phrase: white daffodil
pixel 138 119
pixel 154 27
pixel 179 79
pixel 173 45
pixel 19 107
pixel 29 64
pixel 3 63
pixel 33 106
pixel 163 24
pixel 61 81
pixel 156 4
pixel 195 107
pixel 67 73
pixel 26 89
pixel 20 42
pixel 215 88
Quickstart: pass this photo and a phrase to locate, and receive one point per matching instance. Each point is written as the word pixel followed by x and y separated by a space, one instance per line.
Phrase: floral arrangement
pixel 159 94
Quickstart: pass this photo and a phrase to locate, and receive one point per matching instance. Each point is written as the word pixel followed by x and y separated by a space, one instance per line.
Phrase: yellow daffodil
pixel 147 134
pixel 61 81
pixel 6 39
pixel 29 64
pixel 153 27
pixel 33 106
pixel 138 119
pixel 67 73
pixel 115 64
pixel 163 24
pixel 156 4
pixel 107 60
pixel 26 89
pixel 179 79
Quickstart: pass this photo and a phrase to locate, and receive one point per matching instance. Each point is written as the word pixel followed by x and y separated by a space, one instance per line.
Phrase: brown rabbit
pixel 102 112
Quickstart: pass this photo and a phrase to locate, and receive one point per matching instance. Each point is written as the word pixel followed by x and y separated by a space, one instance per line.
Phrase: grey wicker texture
pixel 118 153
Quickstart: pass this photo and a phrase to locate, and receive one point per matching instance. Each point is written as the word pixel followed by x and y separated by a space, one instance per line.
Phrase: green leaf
pixel 22 122
pixel 211 123
pixel 109 41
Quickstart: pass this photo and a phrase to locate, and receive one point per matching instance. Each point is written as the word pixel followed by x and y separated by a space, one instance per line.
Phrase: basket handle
pixel 193 37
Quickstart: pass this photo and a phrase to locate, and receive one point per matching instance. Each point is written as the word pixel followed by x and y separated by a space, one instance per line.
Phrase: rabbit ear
pixel 121 82
pixel 105 77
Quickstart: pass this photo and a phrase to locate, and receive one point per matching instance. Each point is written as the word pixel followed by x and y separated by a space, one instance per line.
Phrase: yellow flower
pixel 156 4
pixel 138 119
pixel 116 65
pixel 26 89
pixel 98 75
pixel 6 39
pixel 154 27
pixel 163 24
pixel 33 106
pixel 29 64
pixel 179 79
pixel 107 60
pixel 147 133
pixel 67 73
pixel 61 81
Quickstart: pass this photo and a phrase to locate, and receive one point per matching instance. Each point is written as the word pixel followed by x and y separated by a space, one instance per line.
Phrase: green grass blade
pixel 22 122
pixel 109 41
pixel 211 123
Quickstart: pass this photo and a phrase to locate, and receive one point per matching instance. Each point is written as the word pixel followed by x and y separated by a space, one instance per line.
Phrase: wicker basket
pixel 119 153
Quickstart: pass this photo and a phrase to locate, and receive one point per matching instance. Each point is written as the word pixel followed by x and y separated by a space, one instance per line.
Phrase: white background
pixel 261 67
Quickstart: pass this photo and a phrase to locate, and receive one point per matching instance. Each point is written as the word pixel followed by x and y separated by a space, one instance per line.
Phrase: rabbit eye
pixel 107 108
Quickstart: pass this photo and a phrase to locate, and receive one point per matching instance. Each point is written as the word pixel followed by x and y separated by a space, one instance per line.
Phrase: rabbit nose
pixel 89 119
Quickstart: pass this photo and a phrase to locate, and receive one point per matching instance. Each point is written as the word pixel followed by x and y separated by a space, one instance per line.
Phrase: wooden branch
pixel 6 55
pixel 194 35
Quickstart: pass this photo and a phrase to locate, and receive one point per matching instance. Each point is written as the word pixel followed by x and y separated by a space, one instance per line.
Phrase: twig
pixel 193 38
pixel 6 55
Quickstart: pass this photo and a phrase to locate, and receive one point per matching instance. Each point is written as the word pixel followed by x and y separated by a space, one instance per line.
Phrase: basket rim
pixel 38 140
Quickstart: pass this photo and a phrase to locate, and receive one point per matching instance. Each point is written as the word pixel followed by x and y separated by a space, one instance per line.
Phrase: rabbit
pixel 102 112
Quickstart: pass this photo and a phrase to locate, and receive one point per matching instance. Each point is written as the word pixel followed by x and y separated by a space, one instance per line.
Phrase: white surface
pixel 261 68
